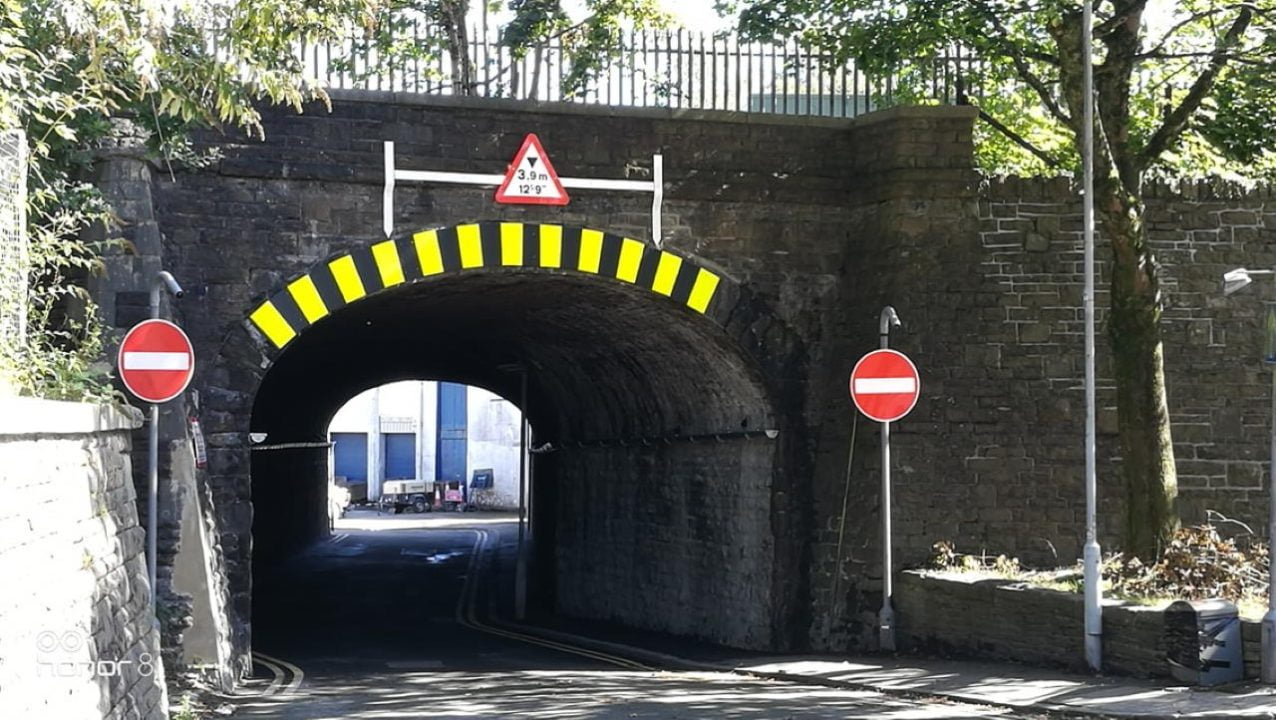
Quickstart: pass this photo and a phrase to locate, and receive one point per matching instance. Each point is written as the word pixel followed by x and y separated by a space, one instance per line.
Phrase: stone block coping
pixel 21 416
pixel 392 97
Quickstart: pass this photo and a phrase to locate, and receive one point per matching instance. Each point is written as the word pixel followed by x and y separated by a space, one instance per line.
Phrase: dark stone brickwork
pixel 1219 391
pixel 677 530
pixel 771 203
pixel 823 222
pixel 992 457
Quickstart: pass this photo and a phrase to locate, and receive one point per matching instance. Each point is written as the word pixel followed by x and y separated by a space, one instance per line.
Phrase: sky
pixel 695 14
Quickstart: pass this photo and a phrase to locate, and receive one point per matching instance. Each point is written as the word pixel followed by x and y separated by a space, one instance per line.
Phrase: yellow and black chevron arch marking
pixel 348 278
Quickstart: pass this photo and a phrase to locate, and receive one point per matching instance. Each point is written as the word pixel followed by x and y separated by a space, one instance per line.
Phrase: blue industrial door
pixel 452 419
pixel 400 456
pixel 350 456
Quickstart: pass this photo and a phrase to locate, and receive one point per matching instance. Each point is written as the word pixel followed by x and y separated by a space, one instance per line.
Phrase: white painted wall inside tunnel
pixel 493 443
pixel 491 435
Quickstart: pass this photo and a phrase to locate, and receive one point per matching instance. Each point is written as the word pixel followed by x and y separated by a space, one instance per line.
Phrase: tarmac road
pixel 385 620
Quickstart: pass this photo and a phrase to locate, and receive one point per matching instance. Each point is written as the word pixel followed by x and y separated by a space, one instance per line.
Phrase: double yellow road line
pixel 280 685
pixel 467 615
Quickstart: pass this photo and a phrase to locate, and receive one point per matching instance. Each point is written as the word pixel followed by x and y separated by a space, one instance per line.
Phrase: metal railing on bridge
pixel 14 253
pixel 675 69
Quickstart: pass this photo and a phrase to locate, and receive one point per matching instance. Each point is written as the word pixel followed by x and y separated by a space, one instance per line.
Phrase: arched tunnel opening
pixel 652 495
pixel 424 445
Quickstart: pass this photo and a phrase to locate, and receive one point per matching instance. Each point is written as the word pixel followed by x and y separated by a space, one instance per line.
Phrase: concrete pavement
pixel 1019 687
pixel 1008 686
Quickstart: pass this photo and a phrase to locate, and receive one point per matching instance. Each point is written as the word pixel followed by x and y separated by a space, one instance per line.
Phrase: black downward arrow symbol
pixel 532 161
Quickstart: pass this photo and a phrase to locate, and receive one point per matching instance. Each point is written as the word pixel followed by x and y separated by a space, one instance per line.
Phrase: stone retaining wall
pixel 992 456
pixel 77 638
pixel 1218 390
pixel 973 616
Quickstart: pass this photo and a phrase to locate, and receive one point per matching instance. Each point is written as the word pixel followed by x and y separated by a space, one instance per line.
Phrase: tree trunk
pixel 536 74
pixel 1134 321
pixel 1143 419
pixel 452 15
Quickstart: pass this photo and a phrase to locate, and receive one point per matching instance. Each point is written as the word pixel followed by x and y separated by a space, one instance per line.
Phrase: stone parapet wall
pixel 77 637
pixel 976 617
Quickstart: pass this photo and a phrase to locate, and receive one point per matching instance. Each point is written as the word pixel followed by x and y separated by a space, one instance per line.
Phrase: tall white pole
pixel 657 199
pixel 387 191
pixel 520 562
pixel 886 620
pixel 152 504
pixel 1093 591
pixel 1268 647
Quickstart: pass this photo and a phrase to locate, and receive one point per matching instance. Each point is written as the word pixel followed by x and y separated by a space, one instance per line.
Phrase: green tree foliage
pixel 68 67
pixel 413 34
pixel 416 33
pixel 1240 121
pixel 1181 87
pixel 590 42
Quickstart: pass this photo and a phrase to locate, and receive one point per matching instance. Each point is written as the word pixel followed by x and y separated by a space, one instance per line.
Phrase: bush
pixel 1197 564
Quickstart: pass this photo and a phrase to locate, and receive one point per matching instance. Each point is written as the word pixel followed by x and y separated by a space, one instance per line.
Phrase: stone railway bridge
pixel 784 237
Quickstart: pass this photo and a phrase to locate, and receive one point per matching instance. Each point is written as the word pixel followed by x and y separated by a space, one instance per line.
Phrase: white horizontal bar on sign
pixel 440 176
pixel 157 361
pixel 884 386
pixel 604 184
pixel 448 177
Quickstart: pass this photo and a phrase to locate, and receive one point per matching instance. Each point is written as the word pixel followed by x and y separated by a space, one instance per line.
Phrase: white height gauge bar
pixel 655 186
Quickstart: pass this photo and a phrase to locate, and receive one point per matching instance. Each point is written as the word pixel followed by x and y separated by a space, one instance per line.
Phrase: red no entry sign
pixel 885 385
pixel 156 361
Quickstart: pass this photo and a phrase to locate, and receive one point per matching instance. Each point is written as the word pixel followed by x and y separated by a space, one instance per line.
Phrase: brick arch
pixel 491 247
pixel 698 361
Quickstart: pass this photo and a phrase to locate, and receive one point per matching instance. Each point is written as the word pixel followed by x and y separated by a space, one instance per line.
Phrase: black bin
pixel 1203 642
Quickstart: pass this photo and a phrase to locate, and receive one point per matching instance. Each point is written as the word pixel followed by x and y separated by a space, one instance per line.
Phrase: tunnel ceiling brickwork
pixel 604 359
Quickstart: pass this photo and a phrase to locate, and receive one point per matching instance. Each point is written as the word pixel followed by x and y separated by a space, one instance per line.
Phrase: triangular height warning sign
pixel 531 179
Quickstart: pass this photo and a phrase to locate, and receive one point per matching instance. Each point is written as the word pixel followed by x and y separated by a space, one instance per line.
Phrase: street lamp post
pixel 1092 558
pixel 1233 281
pixel 524 441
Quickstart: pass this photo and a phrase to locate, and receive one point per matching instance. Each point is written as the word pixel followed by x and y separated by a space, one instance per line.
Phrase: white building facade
pixel 393 432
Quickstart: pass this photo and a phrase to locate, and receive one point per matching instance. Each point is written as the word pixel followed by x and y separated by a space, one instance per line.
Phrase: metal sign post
pixel 655 186
pixel 155 363
pixel 886 622
pixel 520 565
pixel 885 386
